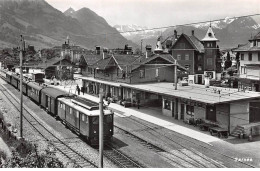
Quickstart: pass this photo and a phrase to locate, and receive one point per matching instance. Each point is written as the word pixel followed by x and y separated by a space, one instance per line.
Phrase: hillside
pixel 44 26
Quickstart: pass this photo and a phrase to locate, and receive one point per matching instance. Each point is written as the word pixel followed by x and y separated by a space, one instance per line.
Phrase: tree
pixel 228 62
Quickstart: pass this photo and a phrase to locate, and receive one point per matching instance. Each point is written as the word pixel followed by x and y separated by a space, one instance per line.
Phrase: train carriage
pixel 25 88
pixel 82 116
pixel 49 96
pixel 8 77
pixel 34 91
pixel 15 81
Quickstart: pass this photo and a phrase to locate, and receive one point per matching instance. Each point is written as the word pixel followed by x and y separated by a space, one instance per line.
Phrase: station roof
pixel 196 92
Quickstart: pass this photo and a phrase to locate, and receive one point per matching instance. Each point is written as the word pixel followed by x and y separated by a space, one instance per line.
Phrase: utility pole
pixel 22 48
pixel 175 74
pixel 141 46
pixel 101 143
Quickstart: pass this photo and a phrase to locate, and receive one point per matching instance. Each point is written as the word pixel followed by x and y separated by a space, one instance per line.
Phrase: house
pixel 249 69
pixel 72 51
pixel 59 69
pixel 200 57
pixel 111 70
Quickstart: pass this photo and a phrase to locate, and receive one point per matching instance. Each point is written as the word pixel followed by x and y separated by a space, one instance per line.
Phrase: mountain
pixel 134 34
pixel 230 31
pixel 44 26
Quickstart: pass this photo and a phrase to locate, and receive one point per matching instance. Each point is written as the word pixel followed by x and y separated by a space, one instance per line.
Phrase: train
pixel 79 114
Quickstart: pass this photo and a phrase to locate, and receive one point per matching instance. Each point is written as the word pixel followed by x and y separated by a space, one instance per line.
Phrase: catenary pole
pixel 101 145
pixel 21 86
pixel 175 74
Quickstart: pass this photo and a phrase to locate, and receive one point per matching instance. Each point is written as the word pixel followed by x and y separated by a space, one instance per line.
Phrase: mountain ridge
pixel 230 31
pixel 44 26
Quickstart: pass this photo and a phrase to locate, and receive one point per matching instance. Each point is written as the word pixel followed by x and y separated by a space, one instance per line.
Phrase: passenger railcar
pixel 15 81
pixel 8 76
pixel 49 96
pixel 25 88
pixel 34 91
pixel 82 116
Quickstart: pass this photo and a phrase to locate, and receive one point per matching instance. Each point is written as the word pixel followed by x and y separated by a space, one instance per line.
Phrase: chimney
pixel 98 50
pixel 148 50
pixel 192 32
pixel 175 35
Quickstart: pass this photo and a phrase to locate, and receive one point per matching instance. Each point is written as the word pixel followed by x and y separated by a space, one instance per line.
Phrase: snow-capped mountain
pixel 230 31
pixel 136 33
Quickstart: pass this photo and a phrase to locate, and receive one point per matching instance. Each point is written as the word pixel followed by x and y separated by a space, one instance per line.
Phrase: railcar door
pixel 52 106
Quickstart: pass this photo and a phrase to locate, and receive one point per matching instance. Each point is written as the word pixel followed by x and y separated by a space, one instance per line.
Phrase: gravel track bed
pixel 55 126
pixel 168 140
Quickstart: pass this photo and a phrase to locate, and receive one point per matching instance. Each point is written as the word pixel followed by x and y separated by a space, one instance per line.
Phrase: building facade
pixel 249 69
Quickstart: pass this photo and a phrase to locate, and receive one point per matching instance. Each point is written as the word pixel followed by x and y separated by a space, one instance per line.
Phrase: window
pixel 83 117
pixel 77 114
pixel 258 56
pixel 242 56
pixel 167 104
pixel 86 119
pixel 209 61
pixel 109 119
pixel 199 67
pixel 157 72
pixel 95 120
pixel 70 110
pixel 190 110
pixel 244 70
pixel 250 56
pixel 64 106
pixel 187 67
pixel 178 57
pixel 60 105
pixel 187 57
pixel 117 71
pixel 142 73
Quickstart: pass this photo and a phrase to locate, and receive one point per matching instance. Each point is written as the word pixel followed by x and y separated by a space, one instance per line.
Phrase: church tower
pixel 210 53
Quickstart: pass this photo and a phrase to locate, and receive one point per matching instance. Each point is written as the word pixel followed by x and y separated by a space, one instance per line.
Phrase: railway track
pixel 114 155
pixel 186 152
pixel 73 155
pixel 178 158
pixel 119 158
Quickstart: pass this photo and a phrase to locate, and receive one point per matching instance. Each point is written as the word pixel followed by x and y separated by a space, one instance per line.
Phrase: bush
pixel 26 155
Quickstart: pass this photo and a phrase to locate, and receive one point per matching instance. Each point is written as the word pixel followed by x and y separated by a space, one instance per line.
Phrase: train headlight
pixel 110 130
pixel 95 131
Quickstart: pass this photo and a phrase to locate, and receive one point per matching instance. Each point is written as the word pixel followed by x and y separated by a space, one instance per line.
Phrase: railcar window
pixel 70 110
pixel 64 106
pixel 109 119
pixel 86 119
pixel 95 120
pixel 77 114
pixel 83 117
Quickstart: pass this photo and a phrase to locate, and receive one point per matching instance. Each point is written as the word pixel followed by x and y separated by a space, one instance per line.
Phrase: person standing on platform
pixel 82 90
pixel 78 89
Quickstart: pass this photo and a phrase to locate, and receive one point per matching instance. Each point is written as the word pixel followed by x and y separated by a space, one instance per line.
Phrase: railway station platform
pixel 151 115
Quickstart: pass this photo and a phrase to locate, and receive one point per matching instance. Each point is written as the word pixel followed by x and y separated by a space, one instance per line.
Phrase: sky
pixel 160 13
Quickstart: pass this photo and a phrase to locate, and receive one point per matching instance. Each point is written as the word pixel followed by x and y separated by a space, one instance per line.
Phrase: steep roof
pixel 210 35
pixel 102 64
pixel 197 43
pixel 91 58
pixel 124 60
pixel 143 60
pixel 194 41
pixel 247 48
pixel 256 37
